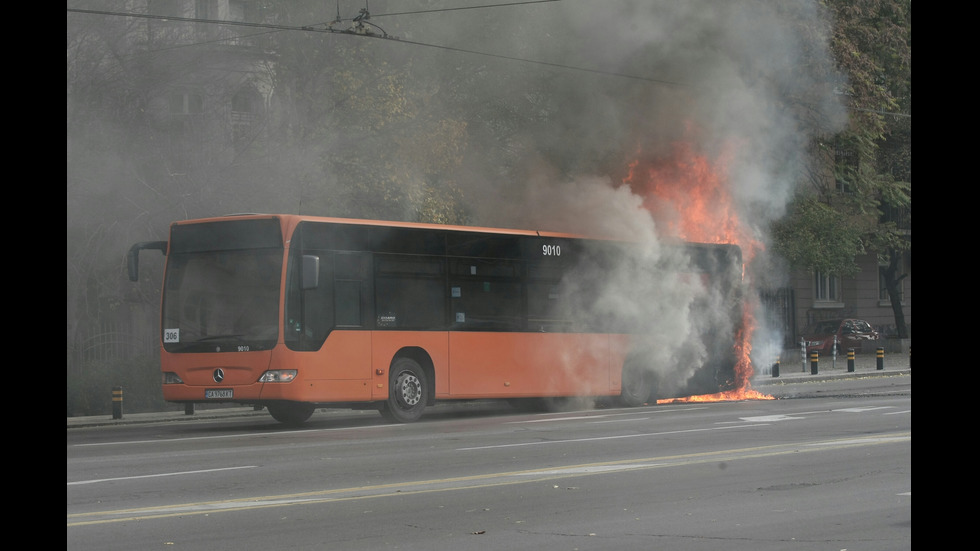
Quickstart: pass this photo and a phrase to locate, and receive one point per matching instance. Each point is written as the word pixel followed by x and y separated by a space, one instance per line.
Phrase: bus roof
pixel 290 221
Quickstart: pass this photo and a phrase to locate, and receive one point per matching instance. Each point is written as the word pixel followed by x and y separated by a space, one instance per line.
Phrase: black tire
pixel 637 385
pixel 291 413
pixel 408 392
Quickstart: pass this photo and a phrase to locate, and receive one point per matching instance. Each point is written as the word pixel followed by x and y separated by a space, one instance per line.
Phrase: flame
pixel 690 198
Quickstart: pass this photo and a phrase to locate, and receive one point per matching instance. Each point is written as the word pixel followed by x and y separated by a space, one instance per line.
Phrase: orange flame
pixel 689 198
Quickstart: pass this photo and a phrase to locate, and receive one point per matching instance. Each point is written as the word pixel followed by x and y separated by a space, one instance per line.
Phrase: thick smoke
pixel 727 76
pixel 571 95
pixel 736 80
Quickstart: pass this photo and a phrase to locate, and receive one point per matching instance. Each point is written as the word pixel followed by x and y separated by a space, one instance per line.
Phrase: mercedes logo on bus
pixel 219 375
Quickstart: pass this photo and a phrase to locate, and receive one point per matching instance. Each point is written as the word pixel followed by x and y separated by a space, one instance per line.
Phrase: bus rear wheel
pixel 291 413
pixel 408 392
pixel 637 386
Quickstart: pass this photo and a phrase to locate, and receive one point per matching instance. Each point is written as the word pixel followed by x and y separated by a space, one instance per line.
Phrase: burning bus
pixel 294 313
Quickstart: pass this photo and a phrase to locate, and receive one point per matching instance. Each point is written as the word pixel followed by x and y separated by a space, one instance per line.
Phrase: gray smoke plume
pixel 557 101
pixel 625 81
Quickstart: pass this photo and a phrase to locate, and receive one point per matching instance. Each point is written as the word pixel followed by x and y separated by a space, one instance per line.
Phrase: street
pixel 827 465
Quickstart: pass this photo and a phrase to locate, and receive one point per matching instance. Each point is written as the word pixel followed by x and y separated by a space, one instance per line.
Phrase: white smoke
pixel 738 77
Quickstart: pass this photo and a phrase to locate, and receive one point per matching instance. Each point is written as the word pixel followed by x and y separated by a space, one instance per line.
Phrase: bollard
pixel 189 409
pixel 881 358
pixel 814 359
pixel 833 354
pixel 117 402
pixel 803 354
pixel 775 368
pixel 850 360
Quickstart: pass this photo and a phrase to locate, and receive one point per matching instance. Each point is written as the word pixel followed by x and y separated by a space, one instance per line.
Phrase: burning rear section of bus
pixel 689 197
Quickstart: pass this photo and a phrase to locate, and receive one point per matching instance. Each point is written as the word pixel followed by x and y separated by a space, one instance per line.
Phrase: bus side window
pixel 410 292
pixel 347 302
pixel 547 307
pixel 486 295
pixel 308 310
pixel 351 289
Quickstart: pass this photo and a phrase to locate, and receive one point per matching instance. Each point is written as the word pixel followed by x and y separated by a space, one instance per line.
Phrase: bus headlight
pixel 171 378
pixel 278 376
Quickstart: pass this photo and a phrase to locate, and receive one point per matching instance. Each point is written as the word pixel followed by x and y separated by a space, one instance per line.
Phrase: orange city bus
pixel 296 312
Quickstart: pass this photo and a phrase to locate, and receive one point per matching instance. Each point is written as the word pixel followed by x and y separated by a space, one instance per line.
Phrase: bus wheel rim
pixel 410 389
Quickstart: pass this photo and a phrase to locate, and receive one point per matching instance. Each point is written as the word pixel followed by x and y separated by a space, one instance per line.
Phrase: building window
pixel 846 165
pixel 246 108
pixel 206 9
pixel 165 7
pixel 247 100
pixel 826 289
pixel 236 10
pixel 186 104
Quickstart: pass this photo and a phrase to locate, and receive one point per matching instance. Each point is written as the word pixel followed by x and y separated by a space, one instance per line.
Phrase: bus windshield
pixel 220 299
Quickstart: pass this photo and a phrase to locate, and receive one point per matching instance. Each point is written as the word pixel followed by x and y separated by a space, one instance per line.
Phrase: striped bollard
pixel 117 402
pixel 814 360
pixel 880 358
pixel 850 360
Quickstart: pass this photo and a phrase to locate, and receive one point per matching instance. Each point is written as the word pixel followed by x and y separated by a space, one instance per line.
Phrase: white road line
pixel 242 435
pixel 80 482
pixel 597 438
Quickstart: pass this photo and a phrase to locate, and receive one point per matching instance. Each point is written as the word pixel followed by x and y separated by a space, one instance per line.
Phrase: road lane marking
pixel 801 415
pixel 597 438
pixel 770 418
pixel 181 473
pixel 401 489
pixel 629 412
pixel 216 436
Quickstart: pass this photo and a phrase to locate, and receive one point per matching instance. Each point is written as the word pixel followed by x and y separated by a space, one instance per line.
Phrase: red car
pixel 850 333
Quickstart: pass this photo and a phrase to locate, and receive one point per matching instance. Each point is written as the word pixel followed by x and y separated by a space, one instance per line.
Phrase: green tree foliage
pixel 347 127
pixel 375 142
pixel 817 235
pixel 863 205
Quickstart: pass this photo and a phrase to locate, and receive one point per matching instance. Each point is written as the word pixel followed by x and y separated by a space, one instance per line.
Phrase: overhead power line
pixel 326 28
pixel 465 8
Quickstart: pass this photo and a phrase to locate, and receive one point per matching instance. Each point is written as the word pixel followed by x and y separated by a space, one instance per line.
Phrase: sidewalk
pixel 793 368
pixel 165 416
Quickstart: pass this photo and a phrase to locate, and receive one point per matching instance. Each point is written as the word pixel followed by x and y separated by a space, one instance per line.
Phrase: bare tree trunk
pixel 893 285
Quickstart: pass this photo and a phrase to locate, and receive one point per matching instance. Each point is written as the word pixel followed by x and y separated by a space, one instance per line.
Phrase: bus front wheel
pixel 407 392
pixel 291 413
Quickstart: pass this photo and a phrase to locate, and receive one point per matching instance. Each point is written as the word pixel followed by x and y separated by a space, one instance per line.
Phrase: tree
pixel 862 205
pixel 372 141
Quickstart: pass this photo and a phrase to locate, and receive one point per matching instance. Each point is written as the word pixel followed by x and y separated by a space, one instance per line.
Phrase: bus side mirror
pixel 311 272
pixel 133 257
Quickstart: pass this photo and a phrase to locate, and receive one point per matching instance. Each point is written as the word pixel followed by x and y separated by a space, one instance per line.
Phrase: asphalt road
pixel 825 465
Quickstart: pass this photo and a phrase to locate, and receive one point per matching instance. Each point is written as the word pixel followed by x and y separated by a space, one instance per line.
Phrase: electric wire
pixel 329 30
pixel 326 28
pixel 464 8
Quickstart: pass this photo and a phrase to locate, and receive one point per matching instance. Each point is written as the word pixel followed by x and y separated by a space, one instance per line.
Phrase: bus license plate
pixel 218 393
